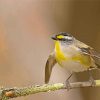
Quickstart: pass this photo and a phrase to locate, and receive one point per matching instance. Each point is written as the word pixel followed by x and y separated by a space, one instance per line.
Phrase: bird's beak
pixel 54 37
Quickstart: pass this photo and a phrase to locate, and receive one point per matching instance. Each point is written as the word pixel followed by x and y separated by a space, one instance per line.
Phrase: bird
pixel 72 55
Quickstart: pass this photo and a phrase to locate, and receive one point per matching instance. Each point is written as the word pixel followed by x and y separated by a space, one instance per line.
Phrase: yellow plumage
pixel 59 54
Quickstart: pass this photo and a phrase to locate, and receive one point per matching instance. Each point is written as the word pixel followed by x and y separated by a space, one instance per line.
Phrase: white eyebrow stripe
pixel 67 37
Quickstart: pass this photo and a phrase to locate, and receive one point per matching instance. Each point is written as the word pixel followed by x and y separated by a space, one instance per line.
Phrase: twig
pixel 8 93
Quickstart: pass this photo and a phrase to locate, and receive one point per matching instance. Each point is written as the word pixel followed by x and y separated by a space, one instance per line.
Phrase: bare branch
pixel 8 93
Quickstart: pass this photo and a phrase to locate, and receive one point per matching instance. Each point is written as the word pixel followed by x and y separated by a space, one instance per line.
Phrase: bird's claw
pixel 92 82
pixel 67 85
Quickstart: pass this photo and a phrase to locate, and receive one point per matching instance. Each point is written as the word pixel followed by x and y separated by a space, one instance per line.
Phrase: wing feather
pixel 51 61
pixel 89 51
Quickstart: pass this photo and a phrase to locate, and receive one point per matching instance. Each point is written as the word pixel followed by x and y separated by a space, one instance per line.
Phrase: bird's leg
pixel 67 83
pixel 91 79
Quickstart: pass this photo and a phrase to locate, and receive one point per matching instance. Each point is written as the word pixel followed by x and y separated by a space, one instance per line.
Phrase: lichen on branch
pixel 8 93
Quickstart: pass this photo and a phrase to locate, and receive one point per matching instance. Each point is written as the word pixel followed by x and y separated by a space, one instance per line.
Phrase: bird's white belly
pixel 73 66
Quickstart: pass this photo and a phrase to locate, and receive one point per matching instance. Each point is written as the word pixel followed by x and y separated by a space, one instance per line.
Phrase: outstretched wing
pixel 89 51
pixel 51 61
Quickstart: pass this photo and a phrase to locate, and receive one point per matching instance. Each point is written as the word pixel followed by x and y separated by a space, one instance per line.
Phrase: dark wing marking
pixel 91 52
pixel 51 61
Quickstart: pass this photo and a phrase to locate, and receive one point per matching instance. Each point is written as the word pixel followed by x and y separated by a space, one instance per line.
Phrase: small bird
pixel 72 55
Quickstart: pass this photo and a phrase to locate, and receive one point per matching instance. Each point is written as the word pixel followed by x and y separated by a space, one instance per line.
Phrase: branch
pixel 8 93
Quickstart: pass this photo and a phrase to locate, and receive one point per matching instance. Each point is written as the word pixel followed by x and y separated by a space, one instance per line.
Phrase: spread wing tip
pixel 51 61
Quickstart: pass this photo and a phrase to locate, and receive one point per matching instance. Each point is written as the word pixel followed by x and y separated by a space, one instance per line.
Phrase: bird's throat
pixel 59 53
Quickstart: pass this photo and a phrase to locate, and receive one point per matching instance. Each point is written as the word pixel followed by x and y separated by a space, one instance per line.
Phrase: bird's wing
pixel 95 55
pixel 51 61
pixel 89 51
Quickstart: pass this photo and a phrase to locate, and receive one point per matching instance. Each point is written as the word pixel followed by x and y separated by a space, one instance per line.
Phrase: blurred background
pixel 25 30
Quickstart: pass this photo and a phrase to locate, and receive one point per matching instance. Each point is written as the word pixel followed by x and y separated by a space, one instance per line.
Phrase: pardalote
pixel 72 55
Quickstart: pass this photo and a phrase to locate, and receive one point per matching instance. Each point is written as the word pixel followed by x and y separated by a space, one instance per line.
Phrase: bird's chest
pixel 64 53
pixel 71 58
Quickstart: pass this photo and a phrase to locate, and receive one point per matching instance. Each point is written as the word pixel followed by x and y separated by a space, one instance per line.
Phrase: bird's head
pixel 63 37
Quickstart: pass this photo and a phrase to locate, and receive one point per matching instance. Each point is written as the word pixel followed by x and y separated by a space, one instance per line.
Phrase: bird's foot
pixel 91 79
pixel 92 82
pixel 67 85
